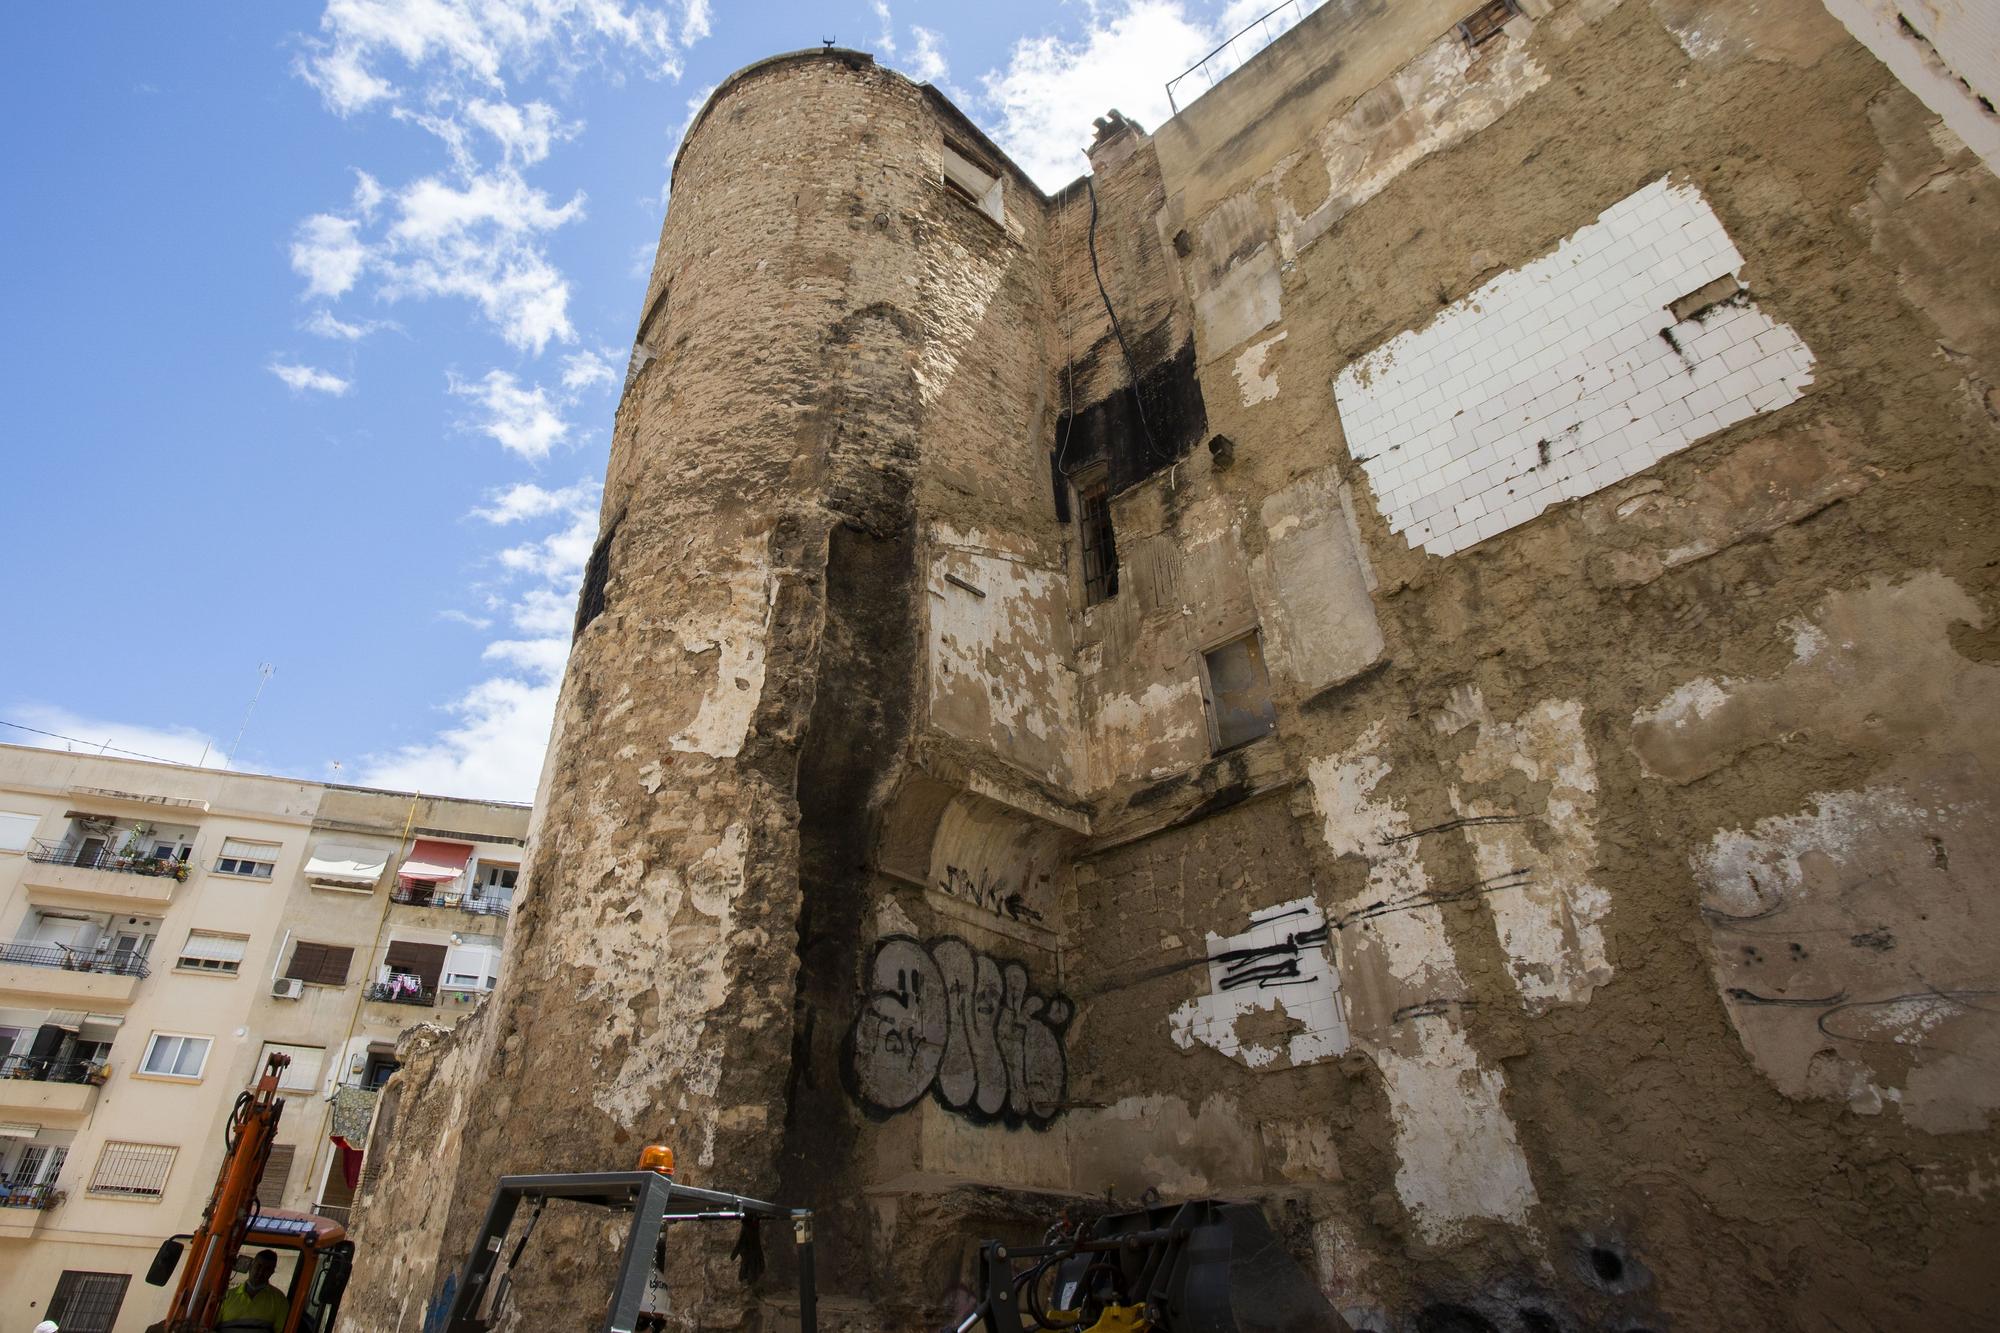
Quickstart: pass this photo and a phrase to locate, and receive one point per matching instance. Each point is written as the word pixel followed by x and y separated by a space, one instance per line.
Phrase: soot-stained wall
pixel 1595 938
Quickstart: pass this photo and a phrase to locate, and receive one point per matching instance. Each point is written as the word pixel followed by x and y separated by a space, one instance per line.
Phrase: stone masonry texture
pixel 1594 431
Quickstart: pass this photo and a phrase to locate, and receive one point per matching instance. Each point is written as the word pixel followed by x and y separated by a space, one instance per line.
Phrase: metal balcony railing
pixel 29 1196
pixel 1233 54
pixel 396 993
pixel 423 895
pixel 41 1070
pixel 74 960
pixel 62 854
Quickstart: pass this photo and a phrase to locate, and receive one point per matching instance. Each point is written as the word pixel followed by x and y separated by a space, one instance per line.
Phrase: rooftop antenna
pixel 828 42
pixel 264 673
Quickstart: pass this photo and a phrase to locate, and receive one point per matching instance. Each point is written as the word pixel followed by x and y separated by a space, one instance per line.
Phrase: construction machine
pixel 235 1220
pixel 1207 1266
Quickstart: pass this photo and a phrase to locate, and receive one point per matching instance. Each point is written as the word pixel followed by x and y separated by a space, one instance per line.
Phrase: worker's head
pixel 261 1268
pixel 48 1326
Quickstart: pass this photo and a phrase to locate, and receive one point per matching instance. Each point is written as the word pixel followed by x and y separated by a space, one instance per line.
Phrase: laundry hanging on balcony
pixel 433 862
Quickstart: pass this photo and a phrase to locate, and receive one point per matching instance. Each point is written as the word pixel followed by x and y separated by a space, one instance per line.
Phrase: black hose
pixel 1131 366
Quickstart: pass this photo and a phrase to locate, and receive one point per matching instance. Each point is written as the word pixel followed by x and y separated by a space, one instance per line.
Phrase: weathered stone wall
pixel 1598 938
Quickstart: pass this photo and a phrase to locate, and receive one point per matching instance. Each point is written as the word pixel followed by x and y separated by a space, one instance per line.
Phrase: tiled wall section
pixel 1565 375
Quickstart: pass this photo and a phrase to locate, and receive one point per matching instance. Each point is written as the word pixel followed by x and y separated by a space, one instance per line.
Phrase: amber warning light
pixel 657 1157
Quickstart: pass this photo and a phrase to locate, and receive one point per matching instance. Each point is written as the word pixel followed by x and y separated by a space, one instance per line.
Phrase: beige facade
pixel 163 928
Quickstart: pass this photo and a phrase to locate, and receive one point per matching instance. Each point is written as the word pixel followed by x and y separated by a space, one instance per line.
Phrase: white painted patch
pixel 1278 965
pixel 1457 1154
pixel 1691 702
pixel 737 638
pixel 1536 866
pixel 1554 381
pixel 1258 384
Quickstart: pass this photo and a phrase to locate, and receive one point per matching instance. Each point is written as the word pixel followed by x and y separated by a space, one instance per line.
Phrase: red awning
pixel 432 861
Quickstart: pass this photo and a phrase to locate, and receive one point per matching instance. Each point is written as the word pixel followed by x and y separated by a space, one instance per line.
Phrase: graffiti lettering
pixel 946 1019
pixel 982 891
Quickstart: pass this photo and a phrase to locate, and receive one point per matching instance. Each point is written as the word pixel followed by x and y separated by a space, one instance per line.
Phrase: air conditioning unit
pixel 287 988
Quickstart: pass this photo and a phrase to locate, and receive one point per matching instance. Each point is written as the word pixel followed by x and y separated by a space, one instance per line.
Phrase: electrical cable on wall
pixel 1131 366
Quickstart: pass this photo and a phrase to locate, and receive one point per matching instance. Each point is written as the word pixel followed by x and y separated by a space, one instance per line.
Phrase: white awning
pixel 347 864
pixel 18 1131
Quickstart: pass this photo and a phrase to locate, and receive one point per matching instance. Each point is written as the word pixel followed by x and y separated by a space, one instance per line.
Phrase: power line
pixel 101 747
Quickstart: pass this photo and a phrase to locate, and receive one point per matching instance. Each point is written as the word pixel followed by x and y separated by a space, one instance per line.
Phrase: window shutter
pixel 277 1175
pixel 236 849
pixel 334 963
pixel 307 960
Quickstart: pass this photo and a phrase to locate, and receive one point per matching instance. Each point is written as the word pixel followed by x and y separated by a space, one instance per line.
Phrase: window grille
pixel 87 1302
pixel 1100 544
pixel 133 1170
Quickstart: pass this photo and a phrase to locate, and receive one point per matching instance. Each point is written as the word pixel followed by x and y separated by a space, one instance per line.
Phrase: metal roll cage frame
pixel 655 1201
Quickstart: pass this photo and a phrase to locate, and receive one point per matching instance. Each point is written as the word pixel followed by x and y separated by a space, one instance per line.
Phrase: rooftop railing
pixel 1233 54
pixel 74 960
pixel 63 854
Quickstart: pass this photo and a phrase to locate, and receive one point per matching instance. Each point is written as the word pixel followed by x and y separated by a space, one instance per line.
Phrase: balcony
pixel 426 895
pixel 396 992
pixel 68 976
pixel 49 1091
pixel 60 871
pixel 22 1208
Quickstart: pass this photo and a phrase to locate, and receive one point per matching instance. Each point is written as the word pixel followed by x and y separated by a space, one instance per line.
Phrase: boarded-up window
pixel 1238 690
pixel 320 964
pixel 425 961
pixel 277 1175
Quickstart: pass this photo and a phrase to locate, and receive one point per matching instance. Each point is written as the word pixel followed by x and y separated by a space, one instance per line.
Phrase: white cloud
pixel 300 379
pixel 927 62
pixel 524 133
pixel 544 611
pixel 327 252
pixel 494 750
pixel 543 658
pixel 885 40
pixel 325 324
pixel 1052 91
pixel 523 420
pixel 694 22
pixel 559 557
pixel 525 500
pixel 481 43
pixel 176 744
pixel 583 369
pixel 466 618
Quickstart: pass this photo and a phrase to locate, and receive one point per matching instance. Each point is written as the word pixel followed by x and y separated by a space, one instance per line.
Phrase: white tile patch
pixel 1279 964
pixel 1557 379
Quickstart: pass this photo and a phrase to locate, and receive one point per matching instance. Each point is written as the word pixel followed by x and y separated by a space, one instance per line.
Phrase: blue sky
pixel 316 319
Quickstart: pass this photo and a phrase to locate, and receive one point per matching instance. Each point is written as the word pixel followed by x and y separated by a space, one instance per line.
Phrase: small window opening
pixel 963 173
pixel 1100 544
pixel 1487 21
pixel 1238 691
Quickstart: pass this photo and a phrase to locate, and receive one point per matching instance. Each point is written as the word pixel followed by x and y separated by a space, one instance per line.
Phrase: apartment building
pixel 163 929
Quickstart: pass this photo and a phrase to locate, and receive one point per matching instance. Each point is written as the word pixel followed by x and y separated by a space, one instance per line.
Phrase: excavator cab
pixel 315 1259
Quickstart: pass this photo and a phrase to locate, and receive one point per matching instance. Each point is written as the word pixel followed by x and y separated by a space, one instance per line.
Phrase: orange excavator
pixel 236 1220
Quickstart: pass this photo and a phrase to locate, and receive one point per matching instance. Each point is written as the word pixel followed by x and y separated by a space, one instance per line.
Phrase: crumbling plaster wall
pixel 1597 941
pixel 1557 1041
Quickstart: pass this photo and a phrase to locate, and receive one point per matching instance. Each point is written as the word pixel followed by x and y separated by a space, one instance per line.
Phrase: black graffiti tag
pixel 982 891
pixel 946 1019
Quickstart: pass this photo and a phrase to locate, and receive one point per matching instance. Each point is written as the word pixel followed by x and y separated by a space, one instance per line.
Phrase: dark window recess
pixel 423 961
pixel 596 574
pixel 87 1302
pixel 1111 432
pixel 1100 543
pixel 320 964
pixel 1239 693
pixel 1485 23
pixel 277 1175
